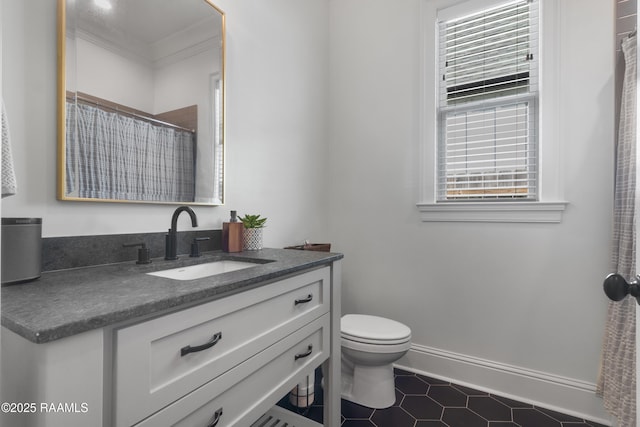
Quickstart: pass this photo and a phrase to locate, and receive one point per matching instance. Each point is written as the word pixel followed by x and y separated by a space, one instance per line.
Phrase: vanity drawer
pixel 241 395
pixel 153 363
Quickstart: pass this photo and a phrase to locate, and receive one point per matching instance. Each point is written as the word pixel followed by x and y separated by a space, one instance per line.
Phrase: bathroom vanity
pixel 116 346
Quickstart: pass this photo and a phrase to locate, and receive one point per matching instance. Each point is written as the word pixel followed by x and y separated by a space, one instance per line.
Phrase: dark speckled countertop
pixel 67 302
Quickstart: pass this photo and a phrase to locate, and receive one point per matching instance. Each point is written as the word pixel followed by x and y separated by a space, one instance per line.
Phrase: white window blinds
pixel 487 104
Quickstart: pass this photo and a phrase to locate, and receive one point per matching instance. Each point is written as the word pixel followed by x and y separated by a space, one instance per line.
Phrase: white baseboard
pixel 554 392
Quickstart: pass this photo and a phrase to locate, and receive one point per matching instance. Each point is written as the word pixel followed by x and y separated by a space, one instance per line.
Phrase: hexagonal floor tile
pixel 399 397
pixel 447 395
pixel 462 417
pixel 358 423
pixel 511 403
pixel 352 410
pixel 432 381
pixel 422 408
pixel 529 417
pixel 411 385
pixel 315 413
pixel 559 416
pixel 394 416
pixel 423 401
pixel 469 391
pixel 489 408
pixel 430 424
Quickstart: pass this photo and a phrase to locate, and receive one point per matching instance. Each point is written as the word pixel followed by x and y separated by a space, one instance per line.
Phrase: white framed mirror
pixel 141 101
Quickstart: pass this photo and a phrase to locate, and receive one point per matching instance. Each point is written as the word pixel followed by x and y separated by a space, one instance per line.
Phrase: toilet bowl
pixel 370 345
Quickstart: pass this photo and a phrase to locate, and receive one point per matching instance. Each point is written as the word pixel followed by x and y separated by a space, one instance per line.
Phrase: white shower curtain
pixel 617 379
pixel 124 158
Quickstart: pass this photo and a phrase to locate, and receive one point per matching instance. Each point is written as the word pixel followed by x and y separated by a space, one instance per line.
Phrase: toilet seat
pixel 375 348
pixel 374 330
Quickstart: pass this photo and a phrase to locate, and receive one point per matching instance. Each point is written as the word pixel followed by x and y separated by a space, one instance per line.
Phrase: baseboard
pixel 561 394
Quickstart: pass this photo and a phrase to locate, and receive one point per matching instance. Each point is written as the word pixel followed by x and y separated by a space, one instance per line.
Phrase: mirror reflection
pixel 142 101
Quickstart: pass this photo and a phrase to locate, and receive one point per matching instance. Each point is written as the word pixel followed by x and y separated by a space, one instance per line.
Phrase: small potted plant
pixel 252 233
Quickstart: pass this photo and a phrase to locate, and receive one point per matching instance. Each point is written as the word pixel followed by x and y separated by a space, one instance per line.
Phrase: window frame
pixel 549 206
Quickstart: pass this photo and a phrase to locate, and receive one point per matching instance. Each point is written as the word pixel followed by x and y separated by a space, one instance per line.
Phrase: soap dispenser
pixel 232 234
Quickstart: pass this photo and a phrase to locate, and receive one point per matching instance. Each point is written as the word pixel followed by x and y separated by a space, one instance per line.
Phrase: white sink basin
pixel 203 270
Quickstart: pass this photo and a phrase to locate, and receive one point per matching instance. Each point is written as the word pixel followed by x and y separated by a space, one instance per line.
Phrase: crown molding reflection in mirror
pixel 141 102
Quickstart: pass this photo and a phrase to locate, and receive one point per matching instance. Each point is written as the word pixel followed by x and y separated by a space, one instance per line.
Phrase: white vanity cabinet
pixel 151 371
pixel 222 363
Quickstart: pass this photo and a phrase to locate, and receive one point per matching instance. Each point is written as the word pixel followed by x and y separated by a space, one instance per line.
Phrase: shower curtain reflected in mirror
pixel 617 379
pixel 114 156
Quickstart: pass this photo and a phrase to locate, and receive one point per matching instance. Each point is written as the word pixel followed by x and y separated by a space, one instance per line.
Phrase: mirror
pixel 141 97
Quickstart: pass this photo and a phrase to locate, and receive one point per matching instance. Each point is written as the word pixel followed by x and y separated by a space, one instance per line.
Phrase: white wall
pixel 276 124
pixel 103 73
pixel 524 296
pixel 181 83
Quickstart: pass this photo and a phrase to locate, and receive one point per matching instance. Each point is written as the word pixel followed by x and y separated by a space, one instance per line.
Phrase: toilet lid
pixel 373 329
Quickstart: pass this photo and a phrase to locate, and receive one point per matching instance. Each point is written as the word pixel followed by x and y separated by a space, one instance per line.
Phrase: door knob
pixel 616 287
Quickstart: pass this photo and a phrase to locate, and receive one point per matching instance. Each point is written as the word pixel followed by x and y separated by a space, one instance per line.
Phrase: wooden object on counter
pixel 232 236
pixel 320 247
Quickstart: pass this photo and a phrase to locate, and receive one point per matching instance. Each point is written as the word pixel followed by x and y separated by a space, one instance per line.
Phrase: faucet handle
pixel 144 253
pixel 195 248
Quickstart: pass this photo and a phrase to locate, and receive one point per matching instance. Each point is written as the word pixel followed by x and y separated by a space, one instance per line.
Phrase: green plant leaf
pixel 253 221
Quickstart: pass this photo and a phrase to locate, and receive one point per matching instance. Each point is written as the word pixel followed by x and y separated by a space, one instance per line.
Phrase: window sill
pixel 532 212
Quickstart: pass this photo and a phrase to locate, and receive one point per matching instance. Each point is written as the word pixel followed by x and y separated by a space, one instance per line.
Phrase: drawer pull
pixel 304 300
pixel 213 341
pixel 305 354
pixel 216 418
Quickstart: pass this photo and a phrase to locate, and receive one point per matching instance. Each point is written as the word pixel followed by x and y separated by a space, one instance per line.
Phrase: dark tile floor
pixel 426 402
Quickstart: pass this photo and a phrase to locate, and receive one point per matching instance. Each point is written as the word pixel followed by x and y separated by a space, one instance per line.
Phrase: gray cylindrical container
pixel 21 249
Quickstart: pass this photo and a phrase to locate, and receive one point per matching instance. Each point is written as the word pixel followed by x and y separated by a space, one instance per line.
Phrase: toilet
pixel 370 345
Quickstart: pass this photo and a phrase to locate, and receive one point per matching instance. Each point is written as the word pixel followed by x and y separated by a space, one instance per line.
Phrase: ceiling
pixel 150 29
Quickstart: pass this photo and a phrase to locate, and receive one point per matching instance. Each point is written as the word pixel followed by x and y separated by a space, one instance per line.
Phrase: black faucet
pixel 171 239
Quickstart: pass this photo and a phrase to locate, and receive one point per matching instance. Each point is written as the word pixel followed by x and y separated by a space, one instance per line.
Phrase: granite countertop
pixel 67 302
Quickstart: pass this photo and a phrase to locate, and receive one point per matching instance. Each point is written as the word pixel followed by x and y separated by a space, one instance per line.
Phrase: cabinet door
pixel 160 360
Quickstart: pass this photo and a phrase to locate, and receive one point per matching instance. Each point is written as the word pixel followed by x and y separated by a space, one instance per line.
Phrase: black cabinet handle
pixel 213 341
pixel 305 354
pixel 216 418
pixel 304 300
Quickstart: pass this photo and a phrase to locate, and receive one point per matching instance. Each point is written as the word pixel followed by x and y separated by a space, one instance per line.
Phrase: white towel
pixel 9 185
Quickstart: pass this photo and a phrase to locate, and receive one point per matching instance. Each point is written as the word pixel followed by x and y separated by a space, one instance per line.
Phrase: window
pixel 487 157
pixel 488 104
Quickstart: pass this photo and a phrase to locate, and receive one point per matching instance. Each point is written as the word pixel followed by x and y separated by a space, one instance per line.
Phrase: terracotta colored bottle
pixel 232 234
